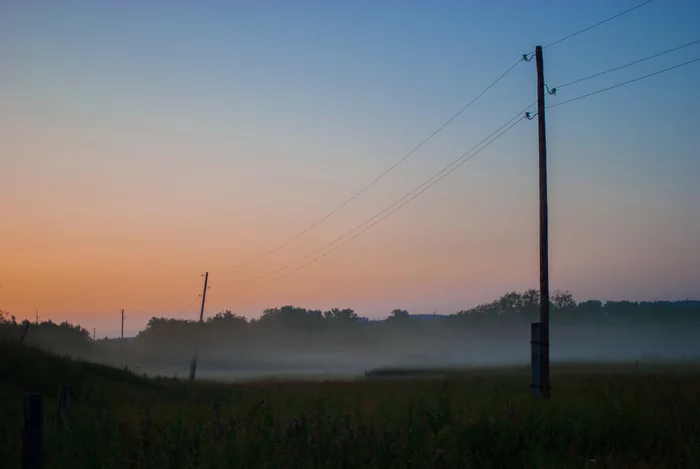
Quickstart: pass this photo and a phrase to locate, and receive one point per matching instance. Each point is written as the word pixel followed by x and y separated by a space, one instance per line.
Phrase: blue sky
pixel 247 121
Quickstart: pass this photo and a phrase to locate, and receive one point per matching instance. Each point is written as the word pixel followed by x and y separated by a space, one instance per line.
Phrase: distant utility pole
pixel 121 342
pixel 193 364
pixel 93 334
pixel 36 316
pixel 544 230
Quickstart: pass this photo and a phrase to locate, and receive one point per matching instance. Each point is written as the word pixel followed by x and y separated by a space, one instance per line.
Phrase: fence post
pixel 33 434
pixel 535 359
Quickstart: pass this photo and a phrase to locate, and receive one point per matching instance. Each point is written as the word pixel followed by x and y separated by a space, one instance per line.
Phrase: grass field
pixel 622 416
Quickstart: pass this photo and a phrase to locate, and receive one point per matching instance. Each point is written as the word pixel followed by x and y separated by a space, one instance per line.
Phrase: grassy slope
pixel 479 419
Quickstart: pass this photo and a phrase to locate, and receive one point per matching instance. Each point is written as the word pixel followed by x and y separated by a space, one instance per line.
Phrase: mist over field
pixel 292 342
pixel 439 349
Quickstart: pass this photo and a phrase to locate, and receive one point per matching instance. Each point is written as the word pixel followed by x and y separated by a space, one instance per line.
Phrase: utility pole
pixel 193 364
pixel 544 229
pixel 93 334
pixel 36 316
pixel 121 342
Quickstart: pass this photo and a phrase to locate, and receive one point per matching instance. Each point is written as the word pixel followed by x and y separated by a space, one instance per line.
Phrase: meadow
pixel 621 416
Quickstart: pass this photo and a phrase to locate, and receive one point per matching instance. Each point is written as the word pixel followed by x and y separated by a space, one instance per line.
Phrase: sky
pixel 144 143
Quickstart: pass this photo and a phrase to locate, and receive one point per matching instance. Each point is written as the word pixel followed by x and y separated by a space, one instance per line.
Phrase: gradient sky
pixel 142 143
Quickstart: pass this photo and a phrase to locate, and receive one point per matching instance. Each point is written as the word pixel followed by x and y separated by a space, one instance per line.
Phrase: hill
pixel 27 369
pixel 37 370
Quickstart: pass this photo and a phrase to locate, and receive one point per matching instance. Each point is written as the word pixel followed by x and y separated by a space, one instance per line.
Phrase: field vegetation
pixel 300 388
pixel 616 416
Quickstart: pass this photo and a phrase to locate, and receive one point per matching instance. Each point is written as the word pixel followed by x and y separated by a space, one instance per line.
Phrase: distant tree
pixel 337 314
pixel 295 328
pixel 315 315
pixel 399 315
pixel 166 331
pixel 7 318
pixel 227 317
pixel 510 303
pixel 530 309
pixel 562 300
pixel 531 298
pixel 270 314
pixel 291 317
pixel 8 325
pixel 621 310
pixel 590 308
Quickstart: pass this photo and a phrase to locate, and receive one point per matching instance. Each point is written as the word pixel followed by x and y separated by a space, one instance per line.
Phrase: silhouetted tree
pixel 400 315
pixel 337 314
pixel 227 318
pixel 291 326
pixel 562 300
pixel 6 317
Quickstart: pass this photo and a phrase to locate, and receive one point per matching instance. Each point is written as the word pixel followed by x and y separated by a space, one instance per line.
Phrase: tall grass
pixel 477 420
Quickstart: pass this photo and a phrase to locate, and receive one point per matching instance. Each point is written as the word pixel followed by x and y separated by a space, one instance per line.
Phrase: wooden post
pixel 544 226
pixel 33 432
pixel 121 342
pixel 204 297
pixel 535 359
pixel 193 363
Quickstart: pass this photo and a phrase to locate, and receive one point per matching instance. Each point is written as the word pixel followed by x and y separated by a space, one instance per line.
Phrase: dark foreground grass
pixel 478 420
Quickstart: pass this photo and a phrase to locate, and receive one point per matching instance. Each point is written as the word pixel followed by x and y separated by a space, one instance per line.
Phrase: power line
pixel 361 191
pixel 597 24
pixel 462 159
pixel 179 315
pixel 459 162
pixel 455 164
pixel 367 186
pixel 379 214
pixel 623 83
pixel 628 64
pixel 380 219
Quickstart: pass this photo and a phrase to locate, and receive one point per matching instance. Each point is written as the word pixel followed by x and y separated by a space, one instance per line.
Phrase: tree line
pixel 290 324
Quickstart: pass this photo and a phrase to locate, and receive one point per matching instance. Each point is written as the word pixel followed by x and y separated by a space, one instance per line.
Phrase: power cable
pixel 627 65
pixel 597 24
pixel 460 161
pixel 623 83
pixel 435 179
pixel 379 214
pixel 361 191
pixel 367 186
pixel 184 310
pixel 447 170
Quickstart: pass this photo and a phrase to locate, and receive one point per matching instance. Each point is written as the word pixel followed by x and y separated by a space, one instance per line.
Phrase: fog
pixel 293 342
pixel 511 346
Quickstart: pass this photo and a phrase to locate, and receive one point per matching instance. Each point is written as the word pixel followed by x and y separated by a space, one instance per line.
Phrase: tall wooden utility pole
pixel 544 234
pixel 121 342
pixel 193 364
pixel 204 297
